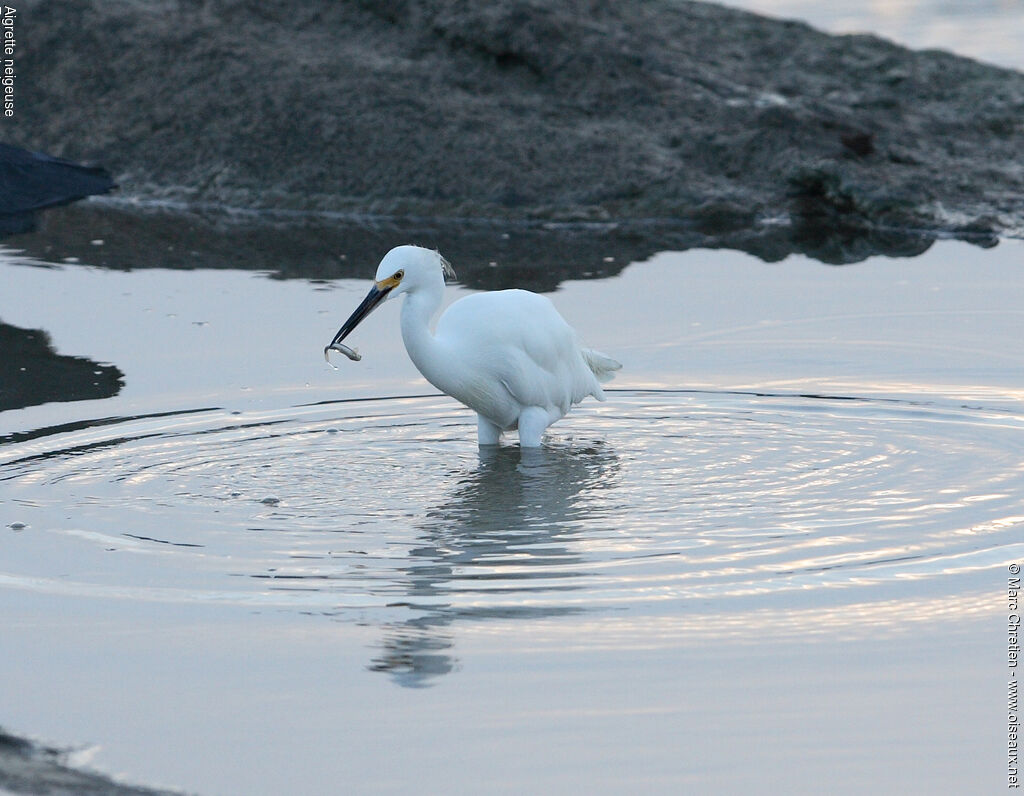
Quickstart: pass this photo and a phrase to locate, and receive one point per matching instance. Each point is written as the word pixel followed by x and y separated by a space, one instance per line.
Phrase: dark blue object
pixel 31 181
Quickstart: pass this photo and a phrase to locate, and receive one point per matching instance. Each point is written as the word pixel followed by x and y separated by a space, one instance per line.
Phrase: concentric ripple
pixel 651 499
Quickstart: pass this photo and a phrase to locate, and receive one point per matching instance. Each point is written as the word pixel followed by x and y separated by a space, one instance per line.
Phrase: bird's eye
pixel 398 274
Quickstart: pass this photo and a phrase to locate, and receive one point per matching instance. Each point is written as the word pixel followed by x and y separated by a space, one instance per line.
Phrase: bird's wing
pixel 522 342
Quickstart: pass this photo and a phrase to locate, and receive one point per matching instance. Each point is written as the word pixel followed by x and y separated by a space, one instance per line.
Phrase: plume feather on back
pixel 601 365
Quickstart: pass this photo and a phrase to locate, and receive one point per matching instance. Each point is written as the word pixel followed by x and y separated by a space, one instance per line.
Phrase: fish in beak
pixel 377 294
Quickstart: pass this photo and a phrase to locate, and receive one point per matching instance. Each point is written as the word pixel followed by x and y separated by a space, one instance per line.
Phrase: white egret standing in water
pixel 507 355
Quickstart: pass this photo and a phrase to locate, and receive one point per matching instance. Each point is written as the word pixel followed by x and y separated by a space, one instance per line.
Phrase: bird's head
pixel 406 268
pixel 403 270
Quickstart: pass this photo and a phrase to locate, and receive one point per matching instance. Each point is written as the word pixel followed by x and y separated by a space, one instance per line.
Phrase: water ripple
pixel 653 499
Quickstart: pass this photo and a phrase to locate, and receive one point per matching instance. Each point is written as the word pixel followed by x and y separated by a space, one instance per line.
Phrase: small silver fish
pixel 351 353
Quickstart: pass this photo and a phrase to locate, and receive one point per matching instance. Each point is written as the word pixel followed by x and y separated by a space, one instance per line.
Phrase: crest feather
pixel 446 267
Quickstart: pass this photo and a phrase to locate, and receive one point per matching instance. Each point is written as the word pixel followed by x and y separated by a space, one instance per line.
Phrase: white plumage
pixel 507 355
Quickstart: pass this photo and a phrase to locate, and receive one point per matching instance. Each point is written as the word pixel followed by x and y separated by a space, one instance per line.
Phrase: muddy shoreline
pixel 489 254
pixel 684 112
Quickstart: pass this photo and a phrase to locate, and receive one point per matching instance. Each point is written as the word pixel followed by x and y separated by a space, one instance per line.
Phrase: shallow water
pixel 785 532
pixel 661 496
pixel 987 30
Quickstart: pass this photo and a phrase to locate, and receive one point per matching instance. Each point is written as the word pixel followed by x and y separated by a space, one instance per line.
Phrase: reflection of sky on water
pixel 872 620
pixel 988 30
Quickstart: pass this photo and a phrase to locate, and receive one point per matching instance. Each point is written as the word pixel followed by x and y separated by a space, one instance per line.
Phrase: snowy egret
pixel 507 355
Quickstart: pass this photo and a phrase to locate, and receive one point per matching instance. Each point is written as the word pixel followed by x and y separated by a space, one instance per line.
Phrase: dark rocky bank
pixel 26 767
pixel 515 109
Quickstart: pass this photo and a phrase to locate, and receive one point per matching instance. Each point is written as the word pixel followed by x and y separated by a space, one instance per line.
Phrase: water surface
pixel 986 30
pixel 786 532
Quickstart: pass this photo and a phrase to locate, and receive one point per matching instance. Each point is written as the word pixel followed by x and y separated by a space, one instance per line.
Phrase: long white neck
pixel 425 350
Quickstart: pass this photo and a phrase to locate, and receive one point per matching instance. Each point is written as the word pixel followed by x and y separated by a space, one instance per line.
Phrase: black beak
pixel 373 298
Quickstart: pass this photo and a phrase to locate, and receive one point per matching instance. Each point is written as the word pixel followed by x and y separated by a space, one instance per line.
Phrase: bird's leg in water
pixel 486 432
pixel 532 422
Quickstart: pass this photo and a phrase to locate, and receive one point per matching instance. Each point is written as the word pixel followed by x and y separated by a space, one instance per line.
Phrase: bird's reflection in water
pixel 507 529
